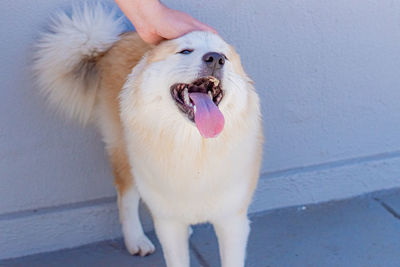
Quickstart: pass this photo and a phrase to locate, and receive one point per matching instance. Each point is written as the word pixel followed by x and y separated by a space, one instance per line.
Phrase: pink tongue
pixel 209 119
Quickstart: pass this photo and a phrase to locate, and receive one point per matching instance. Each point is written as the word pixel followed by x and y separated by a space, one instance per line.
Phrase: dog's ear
pixel 234 58
pixel 162 51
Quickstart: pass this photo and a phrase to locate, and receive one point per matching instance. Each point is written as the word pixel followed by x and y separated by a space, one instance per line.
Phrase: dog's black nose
pixel 214 60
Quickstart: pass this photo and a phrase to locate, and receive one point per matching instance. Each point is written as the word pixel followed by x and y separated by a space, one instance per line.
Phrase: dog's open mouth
pixel 199 101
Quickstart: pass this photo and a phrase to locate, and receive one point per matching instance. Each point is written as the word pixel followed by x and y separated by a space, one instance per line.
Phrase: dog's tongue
pixel 209 119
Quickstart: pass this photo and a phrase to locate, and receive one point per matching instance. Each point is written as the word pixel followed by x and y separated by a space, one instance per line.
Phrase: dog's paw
pixel 139 246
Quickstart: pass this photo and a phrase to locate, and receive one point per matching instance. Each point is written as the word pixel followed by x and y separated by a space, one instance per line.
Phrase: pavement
pixel 362 231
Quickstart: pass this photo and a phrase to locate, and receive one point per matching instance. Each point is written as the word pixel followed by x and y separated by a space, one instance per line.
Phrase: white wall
pixel 328 73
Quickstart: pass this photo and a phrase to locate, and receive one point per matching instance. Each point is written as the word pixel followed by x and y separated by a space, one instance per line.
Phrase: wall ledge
pixel 48 229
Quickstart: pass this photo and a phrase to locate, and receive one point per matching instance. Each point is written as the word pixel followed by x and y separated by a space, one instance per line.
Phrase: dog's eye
pixel 186 51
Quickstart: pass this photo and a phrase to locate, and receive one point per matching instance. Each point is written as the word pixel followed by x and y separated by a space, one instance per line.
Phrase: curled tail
pixel 66 58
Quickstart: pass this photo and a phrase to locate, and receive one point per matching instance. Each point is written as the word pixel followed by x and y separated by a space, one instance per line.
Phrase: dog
pixel 181 124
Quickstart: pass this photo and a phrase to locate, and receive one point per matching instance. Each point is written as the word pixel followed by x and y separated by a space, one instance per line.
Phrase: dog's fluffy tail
pixel 66 58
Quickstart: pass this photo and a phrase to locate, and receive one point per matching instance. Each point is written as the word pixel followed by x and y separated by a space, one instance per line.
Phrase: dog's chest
pixel 195 181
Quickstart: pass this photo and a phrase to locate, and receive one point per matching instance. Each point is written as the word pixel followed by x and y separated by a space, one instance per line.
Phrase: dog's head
pixel 195 80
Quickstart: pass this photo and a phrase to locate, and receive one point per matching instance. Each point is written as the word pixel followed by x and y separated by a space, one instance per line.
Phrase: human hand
pixel 155 22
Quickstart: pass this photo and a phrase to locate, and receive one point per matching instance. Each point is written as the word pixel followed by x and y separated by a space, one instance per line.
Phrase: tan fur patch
pixel 162 51
pixel 255 171
pixel 236 62
pixel 123 178
pixel 115 66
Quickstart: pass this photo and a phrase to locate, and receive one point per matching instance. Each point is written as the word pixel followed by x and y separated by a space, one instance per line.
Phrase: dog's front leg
pixel 173 236
pixel 232 233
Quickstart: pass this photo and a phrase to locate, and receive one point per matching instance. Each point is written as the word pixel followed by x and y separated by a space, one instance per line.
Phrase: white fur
pixel 87 33
pixel 232 233
pixel 173 235
pixel 135 240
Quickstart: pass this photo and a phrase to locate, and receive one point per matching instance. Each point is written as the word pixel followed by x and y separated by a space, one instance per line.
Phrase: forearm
pixel 137 10
pixel 155 22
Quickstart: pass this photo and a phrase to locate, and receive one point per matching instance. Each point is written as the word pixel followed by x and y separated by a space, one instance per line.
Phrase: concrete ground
pixel 363 231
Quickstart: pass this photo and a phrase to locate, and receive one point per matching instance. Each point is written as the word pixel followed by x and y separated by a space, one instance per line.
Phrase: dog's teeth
pixel 214 80
pixel 210 95
pixel 186 96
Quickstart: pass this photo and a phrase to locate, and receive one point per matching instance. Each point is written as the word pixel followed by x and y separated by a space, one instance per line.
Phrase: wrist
pixel 145 11
pixel 139 10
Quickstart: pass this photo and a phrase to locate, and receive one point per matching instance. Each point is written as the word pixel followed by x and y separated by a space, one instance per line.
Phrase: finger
pixel 156 40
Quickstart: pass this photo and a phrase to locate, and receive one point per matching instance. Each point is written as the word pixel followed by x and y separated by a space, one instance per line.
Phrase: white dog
pixel 181 123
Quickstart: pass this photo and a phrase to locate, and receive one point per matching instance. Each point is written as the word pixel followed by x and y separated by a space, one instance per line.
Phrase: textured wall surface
pixel 328 73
